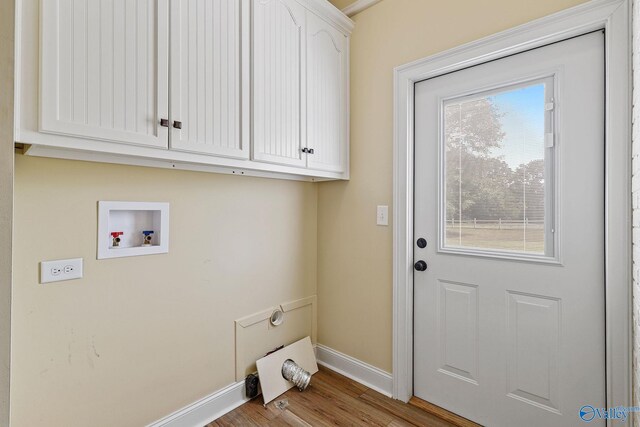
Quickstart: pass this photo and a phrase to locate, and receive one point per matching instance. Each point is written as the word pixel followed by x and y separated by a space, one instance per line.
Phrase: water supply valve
pixel 148 236
pixel 116 238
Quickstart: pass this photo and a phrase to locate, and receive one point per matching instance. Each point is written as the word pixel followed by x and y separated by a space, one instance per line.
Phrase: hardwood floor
pixel 334 400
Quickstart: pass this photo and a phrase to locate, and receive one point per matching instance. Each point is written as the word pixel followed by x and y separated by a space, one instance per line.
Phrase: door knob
pixel 420 265
pixel 164 123
pixel 177 124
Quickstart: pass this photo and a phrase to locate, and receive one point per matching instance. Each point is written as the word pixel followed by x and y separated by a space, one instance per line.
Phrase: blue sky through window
pixel 522 122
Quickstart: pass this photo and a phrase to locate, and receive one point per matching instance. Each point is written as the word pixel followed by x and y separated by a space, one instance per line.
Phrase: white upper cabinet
pixel 279 82
pixel 326 96
pixel 233 86
pixel 206 77
pixel 104 70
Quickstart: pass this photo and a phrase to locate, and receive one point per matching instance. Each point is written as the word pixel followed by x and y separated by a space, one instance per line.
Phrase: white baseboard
pixel 207 409
pixel 215 405
pixel 355 369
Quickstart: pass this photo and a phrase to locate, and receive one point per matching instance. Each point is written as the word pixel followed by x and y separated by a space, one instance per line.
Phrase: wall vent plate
pixel 130 223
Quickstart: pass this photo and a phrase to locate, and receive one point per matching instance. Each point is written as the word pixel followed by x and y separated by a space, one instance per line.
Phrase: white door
pixel 509 199
pixel 206 77
pixel 278 82
pixel 104 70
pixel 326 96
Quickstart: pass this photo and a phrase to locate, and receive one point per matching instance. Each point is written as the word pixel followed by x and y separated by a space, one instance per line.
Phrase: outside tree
pixel 480 183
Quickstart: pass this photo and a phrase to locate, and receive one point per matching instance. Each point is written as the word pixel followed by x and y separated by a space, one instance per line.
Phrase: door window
pixel 498 171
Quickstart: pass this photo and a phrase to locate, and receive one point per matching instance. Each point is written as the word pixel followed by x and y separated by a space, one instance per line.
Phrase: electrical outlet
pixel 63 269
pixel 382 215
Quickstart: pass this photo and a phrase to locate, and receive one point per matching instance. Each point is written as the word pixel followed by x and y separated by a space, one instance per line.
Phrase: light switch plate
pixel 382 215
pixel 59 270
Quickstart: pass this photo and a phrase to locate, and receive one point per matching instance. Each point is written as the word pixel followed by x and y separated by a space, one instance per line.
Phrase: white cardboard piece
pixel 272 382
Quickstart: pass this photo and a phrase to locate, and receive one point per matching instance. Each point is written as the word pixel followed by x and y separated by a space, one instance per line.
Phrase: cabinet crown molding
pixel 331 13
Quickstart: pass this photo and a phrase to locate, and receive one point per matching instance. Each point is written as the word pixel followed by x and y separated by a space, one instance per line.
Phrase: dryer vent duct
pixel 294 373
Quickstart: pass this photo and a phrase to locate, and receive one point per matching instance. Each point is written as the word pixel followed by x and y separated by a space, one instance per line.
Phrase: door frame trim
pixel 614 17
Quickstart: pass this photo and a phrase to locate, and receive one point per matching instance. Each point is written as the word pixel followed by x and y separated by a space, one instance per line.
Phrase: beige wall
pixel 355 255
pixel 6 199
pixel 138 338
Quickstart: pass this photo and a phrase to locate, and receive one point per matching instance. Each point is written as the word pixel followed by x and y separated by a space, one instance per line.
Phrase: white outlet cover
pixel 382 215
pixel 60 270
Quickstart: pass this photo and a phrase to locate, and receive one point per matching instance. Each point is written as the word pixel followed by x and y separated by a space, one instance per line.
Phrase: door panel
pixel 509 315
pixel 206 77
pixel 278 82
pixel 458 330
pixel 533 325
pixel 104 70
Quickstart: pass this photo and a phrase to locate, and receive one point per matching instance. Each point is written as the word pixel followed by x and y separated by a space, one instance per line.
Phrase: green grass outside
pixel 493 238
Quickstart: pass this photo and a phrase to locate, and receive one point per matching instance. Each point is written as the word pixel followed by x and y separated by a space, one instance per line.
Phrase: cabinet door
pixel 326 96
pixel 206 77
pixel 104 70
pixel 278 82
